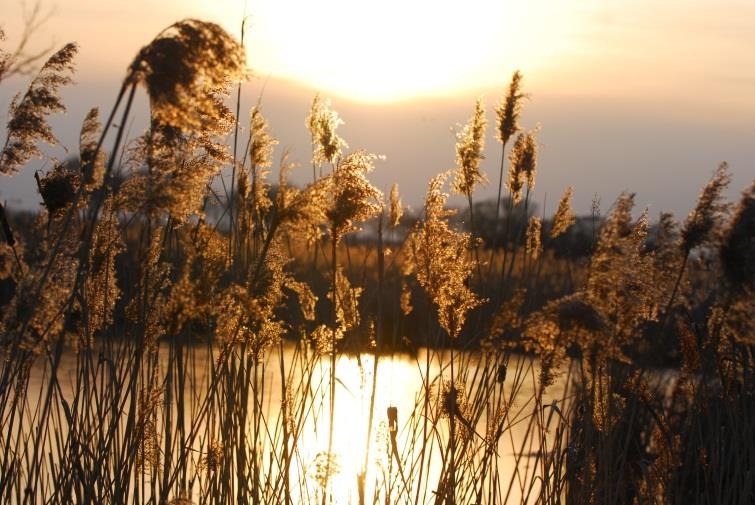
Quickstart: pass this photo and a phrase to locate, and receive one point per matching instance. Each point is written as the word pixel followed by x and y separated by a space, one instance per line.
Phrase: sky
pixel 630 95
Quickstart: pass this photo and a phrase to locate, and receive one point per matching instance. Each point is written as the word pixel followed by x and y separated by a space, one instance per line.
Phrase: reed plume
pixel 307 299
pixel 58 189
pixel 354 198
pixel 28 124
pixel 523 165
pixel 322 124
pixel 396 210
pixel 439 258
pixel 470 142
pixel 186 70
pixel 261 143
pixel 33 318
pixel 507 124
pixel 564 216
pixel 508 110
pixel 302 211
pixel 737 250
pixel 534 246
pixel 621 277
pixel 91 158
pixel 171 174
pixel 260 150
pixel 347 306
pixel 101 292
pixel 706 215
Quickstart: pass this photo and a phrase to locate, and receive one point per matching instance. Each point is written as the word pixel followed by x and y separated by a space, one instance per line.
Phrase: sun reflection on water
pixel 401 386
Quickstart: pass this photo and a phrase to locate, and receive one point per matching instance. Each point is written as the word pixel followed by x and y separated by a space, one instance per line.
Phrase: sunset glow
pixel 392 50
pixel 377 251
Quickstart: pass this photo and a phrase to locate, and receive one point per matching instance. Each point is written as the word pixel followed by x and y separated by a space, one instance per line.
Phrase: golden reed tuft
pixel 706 216
pixel 354 198
pixel 322 124
pixel 439 258
pixel 396 210
pixel 185 69
pixel 508 110
pixel 470 142
pixel 28 124
pixel 523 159
pixel 564 216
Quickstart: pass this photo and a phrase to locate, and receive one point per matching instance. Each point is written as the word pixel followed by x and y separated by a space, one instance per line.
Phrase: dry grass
pixel 142 341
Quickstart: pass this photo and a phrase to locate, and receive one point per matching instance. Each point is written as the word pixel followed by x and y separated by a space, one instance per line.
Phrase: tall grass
pixel 154 355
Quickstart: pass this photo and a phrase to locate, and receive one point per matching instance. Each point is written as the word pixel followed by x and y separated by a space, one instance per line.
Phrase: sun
pixel 389 50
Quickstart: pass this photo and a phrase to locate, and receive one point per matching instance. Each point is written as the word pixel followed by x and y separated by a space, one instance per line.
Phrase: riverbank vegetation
pixel 164 281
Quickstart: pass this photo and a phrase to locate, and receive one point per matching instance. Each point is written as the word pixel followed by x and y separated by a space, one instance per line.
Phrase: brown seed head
pixel 185 69
pixel 707 213
pixel 354 198
pixel 523 159
pixel 507 111
pixel 737 251
pixel 92 160
pixel 470 142
pixel 28 124
pixel 439 257
pixel 396 209
pixel 260 143
pixel 564 216
pixel 534 244
pixel 322 124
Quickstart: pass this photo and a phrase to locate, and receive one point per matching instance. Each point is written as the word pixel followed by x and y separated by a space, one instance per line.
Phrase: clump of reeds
pixel 143 340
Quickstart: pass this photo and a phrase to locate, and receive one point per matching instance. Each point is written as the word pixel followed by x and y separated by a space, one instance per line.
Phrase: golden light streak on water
pixel 400 385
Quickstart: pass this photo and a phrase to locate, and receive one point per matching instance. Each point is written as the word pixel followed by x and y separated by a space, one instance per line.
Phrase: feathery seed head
pixel 311 122
pixel 185 69
pixel 507 111
pixel 92 160
pixel 261 143
pixel 564 216
pixel 28 124
pixel 622 280
pixel 737 250
pixel 470 142
pixel 706 215
pixel 523 159
pixel 435 200
pixel 396 209
pixel 534 245
pixel 212 460
pixel 439 257
pixel 619 222
pixel 347 306
pixel 324 468
pixel 58 189
pixel 304 211
pixel 322 123
pixel 354 198
pixel 307 299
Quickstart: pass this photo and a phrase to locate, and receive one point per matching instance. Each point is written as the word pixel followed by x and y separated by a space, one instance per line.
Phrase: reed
pixel 165 342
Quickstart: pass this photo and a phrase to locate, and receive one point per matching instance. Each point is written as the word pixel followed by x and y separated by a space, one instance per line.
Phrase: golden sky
pixel 387 50
pixel 632 94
